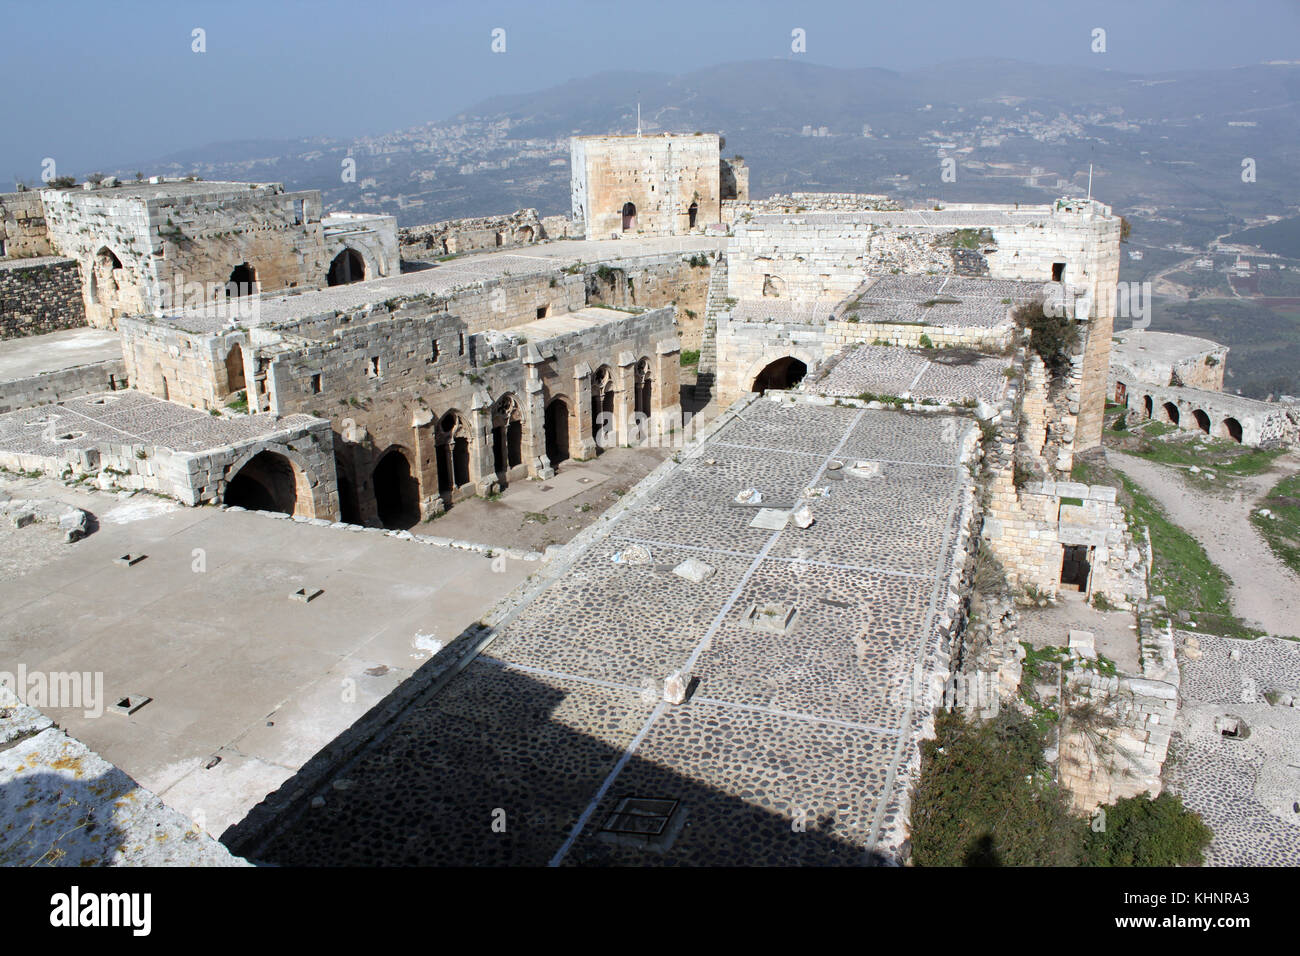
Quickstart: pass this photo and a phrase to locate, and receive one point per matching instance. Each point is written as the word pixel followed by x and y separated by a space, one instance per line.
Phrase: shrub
pixel 1143 832
pixel 985 798
pixel 1054 337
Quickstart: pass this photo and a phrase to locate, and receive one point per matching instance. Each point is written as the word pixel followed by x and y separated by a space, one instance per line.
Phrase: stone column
pixel 481 471
pixel 534 417
pixel 624 397
pixel 582 442
pixel 665 390
pixel 425 447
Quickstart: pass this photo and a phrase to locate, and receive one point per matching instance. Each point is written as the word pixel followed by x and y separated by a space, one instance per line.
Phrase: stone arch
pixel 603 425
pixel 1171 412
pixel 629 216
pixel 1202 420
pixel 397 491
pixel 235 370
pixel 269 481
pixel 691 214
pixel 781 373
pixel 1232 429
pixel 306 503
pixel 557 430
pixel 453 447
pixel 348 266
pixel 507 434
pixel 242 281
pixel 1148 405
pixel 773 287
pixel 523 235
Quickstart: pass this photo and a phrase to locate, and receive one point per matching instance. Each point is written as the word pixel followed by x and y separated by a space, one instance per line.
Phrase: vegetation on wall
pixel 1055 338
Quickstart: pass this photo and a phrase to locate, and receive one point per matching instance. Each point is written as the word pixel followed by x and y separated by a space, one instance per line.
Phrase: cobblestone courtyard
pixel 796 744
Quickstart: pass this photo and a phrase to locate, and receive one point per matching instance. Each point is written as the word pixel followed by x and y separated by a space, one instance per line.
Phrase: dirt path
pixel 1265 592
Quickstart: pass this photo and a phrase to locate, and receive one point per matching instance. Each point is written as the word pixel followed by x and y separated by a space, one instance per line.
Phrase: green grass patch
pixel 1282 530
pixel 690 356
pixel 1218 455
pixel 1182 571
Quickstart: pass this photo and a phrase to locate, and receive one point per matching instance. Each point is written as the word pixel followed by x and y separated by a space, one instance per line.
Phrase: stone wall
pixel 734 183
pixel 1125 756
pixel 50 387
pixel 799 202
pixel 39 295
pixel 1217 414
pixel 201 477
pixel 23 233
pixel 165 246
pixel 452 236
pixel 373 238
pixel 416 380
pixel 1028 523
pixel 661 176
pixel 817 257
pixel 842 333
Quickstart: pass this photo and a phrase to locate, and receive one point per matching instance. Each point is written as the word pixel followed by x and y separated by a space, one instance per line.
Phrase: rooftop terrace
pixel 129 417
pixel 441 279
pixel 940 300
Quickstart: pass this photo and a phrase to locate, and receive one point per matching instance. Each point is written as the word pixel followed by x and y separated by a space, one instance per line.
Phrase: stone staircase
pixel 715 302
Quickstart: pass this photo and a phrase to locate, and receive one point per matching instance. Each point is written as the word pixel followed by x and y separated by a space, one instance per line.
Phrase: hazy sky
pixel 95 84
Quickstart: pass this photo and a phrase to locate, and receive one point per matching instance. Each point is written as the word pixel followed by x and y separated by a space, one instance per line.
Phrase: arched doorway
pixel 1171 412
pixel 242 282
pixel 629 216
pixel 507 435
pixel 397 493
pixel 267 482
pixel 783 373
pixel 235 369
pixel 347 267
pixel 349 510
pixel 1202 420
pixel 1233 429
pixel 453 453
pixel 557 431
pixel 692 213
pixel 602 408
pixel 1148 405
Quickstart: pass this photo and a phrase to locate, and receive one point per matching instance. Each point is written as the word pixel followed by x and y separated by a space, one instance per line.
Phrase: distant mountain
pixel 1171 144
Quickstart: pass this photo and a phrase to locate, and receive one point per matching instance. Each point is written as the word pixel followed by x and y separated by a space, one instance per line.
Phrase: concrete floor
pixel 23 358
pixel 204 625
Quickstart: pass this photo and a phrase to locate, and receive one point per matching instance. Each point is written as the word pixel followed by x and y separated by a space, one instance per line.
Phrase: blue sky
pixel 97 84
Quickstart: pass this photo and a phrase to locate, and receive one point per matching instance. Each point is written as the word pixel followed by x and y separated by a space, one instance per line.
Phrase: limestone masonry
pixel 792 583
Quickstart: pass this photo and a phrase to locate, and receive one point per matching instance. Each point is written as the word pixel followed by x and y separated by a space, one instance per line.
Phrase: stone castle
pixel 277 358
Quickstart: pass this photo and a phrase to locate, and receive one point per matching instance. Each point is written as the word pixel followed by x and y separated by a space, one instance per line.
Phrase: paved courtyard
pixel 1245 786
pixel 941 375
pixel 796 743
